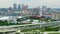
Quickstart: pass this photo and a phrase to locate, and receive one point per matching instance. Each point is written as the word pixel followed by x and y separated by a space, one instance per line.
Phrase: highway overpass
pixel 26 26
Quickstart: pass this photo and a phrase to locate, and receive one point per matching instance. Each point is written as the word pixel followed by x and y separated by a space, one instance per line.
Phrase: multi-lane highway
pixel 27 26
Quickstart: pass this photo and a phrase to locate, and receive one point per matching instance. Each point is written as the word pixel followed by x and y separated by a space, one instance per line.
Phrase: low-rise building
pixel 56 15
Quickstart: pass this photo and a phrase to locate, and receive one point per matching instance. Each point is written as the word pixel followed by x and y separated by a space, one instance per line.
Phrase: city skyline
pixel 31 3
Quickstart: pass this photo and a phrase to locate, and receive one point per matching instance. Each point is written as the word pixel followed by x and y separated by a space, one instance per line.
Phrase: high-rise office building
pixel 9 11
pixel 48 9
pixel 19 7
pixel 44 10
pixel 10 8
pixel 14 7
pixel 25 7
pixel 36 11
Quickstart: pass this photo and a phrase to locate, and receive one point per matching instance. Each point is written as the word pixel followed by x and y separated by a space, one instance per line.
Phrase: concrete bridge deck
pixel 26 26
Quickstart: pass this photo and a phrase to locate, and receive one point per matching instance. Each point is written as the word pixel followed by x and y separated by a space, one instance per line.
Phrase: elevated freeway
pixel 27 26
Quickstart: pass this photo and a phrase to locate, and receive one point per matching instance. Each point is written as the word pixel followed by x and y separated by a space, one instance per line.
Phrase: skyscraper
pixel 14 7
pixel 19 7
pixel 44 10
pixel 9 11
pixel 24 7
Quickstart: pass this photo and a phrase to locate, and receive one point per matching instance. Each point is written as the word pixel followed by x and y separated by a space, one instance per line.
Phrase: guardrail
pixel 27 26
pixel 40 32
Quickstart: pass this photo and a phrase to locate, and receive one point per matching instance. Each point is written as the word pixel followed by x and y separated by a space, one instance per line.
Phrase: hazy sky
pixel 31 3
